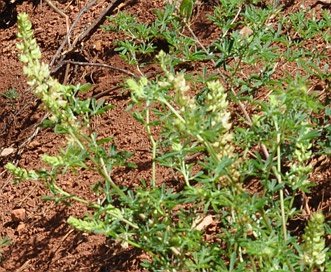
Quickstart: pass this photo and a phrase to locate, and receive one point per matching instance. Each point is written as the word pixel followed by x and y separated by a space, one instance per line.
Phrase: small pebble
pixel 18 215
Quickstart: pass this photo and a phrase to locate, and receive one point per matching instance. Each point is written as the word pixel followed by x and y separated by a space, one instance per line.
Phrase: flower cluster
pixel 21 173
pixel 217 105
pixel 314 244
pixel 299 169
pixel 185 102
pixel 50 91
pixel 216 109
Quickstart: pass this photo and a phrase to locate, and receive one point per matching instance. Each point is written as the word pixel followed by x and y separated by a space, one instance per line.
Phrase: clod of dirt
pixel 20 226
pixel 34 144
pixel 18 215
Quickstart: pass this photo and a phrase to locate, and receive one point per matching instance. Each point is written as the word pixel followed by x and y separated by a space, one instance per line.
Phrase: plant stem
pixel 279 179
pixel 153 144
pixel 102 170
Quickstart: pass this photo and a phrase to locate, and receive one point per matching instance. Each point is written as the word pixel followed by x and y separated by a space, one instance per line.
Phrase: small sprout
pixel 11 94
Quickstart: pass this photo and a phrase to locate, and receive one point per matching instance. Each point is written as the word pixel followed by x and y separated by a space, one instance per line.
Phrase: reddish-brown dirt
pixel 41 240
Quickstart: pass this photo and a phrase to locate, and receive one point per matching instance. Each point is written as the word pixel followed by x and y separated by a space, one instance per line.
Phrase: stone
pixel 18 215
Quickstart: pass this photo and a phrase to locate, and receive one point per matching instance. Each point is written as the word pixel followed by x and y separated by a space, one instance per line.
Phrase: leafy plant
pixel 212 158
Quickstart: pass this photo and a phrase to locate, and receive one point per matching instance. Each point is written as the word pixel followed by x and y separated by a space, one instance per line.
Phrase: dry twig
pixel 112 5
pixel 50 3
pixel 85 9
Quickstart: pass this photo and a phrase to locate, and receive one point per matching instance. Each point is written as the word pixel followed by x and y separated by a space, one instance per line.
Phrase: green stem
pixel 153 144
pixel 174 111
pixel 94 206
pixel 185 173
pixel 105 174
pixel 101 170
pixel 253 263
pixel 123 219
pixel 60 191
pixel 266 220
pixel 279 179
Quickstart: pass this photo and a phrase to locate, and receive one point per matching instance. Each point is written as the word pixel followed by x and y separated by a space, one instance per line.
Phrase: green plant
pixel 4 242
pixel 198 141
pixel 11 94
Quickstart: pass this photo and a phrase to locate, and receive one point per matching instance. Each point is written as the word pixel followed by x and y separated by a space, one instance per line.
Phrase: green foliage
pixel 11 94
pixel 193 114
pixel 4 242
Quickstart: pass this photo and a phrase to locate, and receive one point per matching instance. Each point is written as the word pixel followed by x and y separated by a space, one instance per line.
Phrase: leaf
pixel 85 87
pixel 105 140
pixel 200 224
pixel 186 8
pixel 138 117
